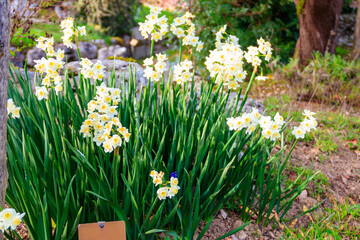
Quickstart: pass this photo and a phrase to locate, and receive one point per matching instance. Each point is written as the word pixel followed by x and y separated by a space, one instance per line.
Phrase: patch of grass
pixel 338 222
pixel 320 181
pixel 325 141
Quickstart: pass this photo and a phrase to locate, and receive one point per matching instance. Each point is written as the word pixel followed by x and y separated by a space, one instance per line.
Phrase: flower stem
pixel 152 48
pixel 180 51
pixel 248 89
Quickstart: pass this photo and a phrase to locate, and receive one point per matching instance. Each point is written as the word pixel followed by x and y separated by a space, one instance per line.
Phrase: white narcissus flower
pixel 279 119
pixel 16 220
pixel 12 109
pixel 41 93
pixel 173 190
pixel 261 78
pixel 308 113
pixel 298 132
pixel 267 132
pixel 162 193
pixel 9 218
pixel 82 30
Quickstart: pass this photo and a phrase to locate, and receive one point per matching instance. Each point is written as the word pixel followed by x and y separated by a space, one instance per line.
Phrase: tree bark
pixel 355 54
pixel 318 22
pixel 4 74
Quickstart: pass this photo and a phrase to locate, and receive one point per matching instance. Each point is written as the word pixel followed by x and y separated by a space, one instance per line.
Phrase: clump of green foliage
pixel 117 16
pixel 275 21
pixel 329 79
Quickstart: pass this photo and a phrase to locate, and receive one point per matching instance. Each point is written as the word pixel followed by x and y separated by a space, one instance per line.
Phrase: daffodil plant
pixel 162 157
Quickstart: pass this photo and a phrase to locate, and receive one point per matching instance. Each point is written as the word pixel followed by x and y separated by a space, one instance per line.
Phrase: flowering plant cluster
pixel 49 68
pixel 182 72
pixel 184 28
pixel 306 125
pixel 9 218
pixel 102 119
pixel 225 62
pixel 155 72
pixel 250 121
pixel 53 62
pixel 154 25
pixel 67 27
pixel 12 109
pixel 167 189
pixel 90 70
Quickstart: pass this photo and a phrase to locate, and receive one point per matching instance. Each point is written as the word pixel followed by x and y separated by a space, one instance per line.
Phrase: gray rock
pixel 142 51
pixel 88 50
pixel 34 54
pixel 18 59
pixel 135 33
pixel 70 53
pixel 106 52
pixel 73 67
pixel 61 12
pixel 121 69
pixel 100 43
pixel 126 40
pixel 241 235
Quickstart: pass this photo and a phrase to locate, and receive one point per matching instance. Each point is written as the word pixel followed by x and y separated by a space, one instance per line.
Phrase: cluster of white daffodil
pixel 47 44
pixel 67 27
pixel 12 109
pixel 182 72
pixel 225 62
pixel 48 67
pixel 250 121
pixel 253 53
pixel 168 189
pixel 9 218
pixel 184 28
pixel 102 119
pixel 154 25
pixel 155 72
pixel 91 70
pixel 306 125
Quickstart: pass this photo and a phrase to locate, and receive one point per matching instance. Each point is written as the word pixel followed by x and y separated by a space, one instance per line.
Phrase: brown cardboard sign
pixel 102 231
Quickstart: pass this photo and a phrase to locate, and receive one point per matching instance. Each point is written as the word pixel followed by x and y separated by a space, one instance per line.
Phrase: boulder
pixel 106 52
pixel 88 50
pixel 142 51
pixel 18 59
pixel 100 43
pixel 70 53
pixel 34 54
pixel 121 69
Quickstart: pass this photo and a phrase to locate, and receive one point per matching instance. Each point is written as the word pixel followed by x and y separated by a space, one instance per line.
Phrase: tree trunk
pixel 318 22
pixel 4 74
pixel 355 54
